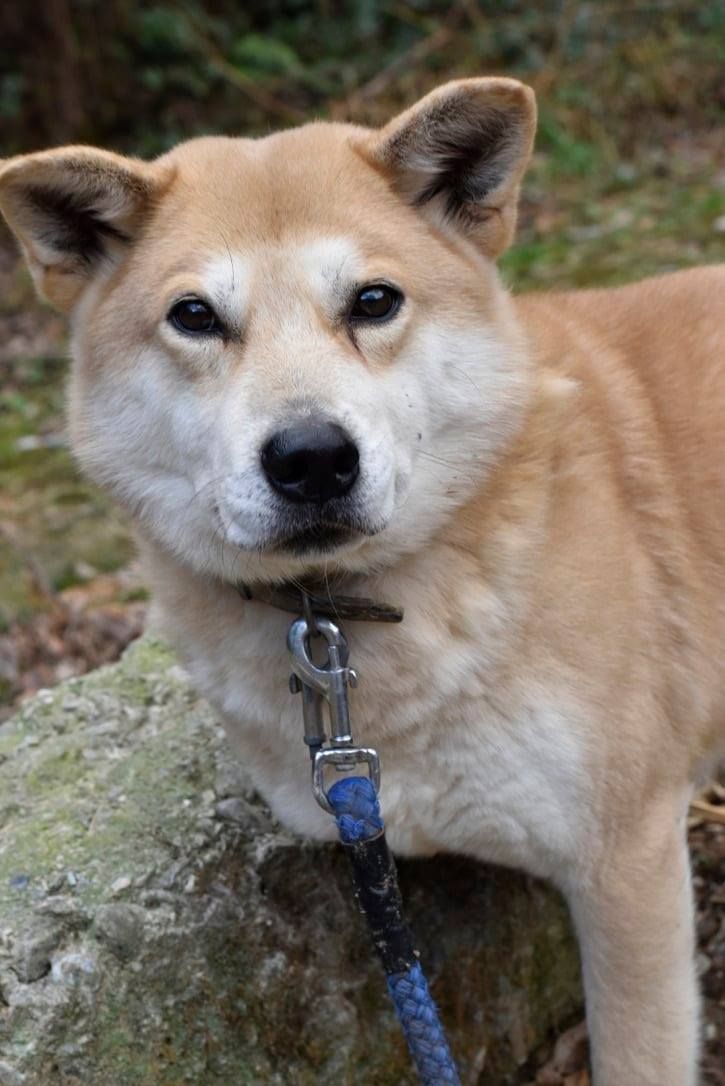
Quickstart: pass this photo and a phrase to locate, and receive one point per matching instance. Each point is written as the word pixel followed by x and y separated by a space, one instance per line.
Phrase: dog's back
pixel 670 333
pixel 652 359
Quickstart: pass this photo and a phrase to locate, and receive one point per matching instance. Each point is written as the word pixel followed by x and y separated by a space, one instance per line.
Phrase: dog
pixel 294 361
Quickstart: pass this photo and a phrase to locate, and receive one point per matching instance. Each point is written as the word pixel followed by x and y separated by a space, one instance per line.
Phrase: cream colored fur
pixel 541 488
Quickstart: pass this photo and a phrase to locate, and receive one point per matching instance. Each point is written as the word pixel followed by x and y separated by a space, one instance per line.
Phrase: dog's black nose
pixel 311 461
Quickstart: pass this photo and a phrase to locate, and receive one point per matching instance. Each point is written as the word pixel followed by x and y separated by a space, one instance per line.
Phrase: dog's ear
pixel 74 209
pixel 459 155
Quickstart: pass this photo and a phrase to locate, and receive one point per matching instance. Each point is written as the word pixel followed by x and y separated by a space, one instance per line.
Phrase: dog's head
pixel 290 352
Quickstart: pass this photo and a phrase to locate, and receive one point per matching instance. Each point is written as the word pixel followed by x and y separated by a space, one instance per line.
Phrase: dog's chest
pixel 468 768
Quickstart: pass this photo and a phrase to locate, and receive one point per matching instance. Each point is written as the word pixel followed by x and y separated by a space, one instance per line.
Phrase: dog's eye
pixel 375 302
pixel 193 316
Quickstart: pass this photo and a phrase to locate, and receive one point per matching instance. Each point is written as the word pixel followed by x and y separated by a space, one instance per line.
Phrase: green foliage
pixel 567 153
pixel 139 76
pixel 259 55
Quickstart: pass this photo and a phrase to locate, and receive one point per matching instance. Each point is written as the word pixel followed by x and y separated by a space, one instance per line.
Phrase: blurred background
pixel 628 179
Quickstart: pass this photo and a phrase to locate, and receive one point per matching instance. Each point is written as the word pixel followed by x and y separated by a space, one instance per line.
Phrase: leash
pixel 353 800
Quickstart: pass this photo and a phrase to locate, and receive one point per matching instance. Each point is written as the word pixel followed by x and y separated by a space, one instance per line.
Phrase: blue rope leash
pixel 354 803
pixel 360 824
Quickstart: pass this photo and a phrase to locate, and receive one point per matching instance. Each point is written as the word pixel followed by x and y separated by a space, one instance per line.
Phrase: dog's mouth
pixel 303 532
pixel 321 531
pixel 320 538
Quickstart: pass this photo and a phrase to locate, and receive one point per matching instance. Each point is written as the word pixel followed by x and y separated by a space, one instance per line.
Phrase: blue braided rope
pixel 423 1031
pixel 357 811
pixel 358 817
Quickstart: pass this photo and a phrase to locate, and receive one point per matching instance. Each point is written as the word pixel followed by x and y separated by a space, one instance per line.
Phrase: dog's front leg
pixel 634 917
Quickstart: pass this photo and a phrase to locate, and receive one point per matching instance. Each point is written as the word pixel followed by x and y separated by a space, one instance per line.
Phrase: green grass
pixel 53 522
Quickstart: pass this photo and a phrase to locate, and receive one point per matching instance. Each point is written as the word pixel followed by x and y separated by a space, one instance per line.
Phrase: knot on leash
pixel 357 811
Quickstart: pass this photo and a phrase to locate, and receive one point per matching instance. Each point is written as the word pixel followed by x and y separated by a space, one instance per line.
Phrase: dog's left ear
pixel 459 155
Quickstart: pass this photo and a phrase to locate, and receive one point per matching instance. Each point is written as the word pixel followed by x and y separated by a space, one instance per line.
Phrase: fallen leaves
pixel 709 806
pixel 81 628
pixel 707 847
pixel 569 1063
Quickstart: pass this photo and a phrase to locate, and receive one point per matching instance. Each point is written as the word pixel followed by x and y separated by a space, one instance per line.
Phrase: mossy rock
pixel 157 927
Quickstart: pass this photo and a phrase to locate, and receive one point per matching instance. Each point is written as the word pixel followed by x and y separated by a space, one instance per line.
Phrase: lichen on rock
pixel 157 927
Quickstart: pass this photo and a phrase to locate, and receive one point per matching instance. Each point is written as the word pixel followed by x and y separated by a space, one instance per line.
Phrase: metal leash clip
pixel 329 683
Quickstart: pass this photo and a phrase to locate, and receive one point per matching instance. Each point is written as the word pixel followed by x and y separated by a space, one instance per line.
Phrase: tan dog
pixel 294 357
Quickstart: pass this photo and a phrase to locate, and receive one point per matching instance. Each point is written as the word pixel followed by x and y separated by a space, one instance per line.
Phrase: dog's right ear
pixel 73 209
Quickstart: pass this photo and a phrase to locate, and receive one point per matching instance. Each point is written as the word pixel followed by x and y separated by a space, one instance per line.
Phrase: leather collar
pixel 316 599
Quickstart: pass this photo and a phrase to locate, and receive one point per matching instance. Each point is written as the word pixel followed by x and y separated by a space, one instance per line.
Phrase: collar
pixel 314 598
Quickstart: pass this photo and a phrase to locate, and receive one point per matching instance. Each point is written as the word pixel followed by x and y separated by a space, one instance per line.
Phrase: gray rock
pixel 121 929
pixel 166 930
pixel 9 1077
pixel 33 948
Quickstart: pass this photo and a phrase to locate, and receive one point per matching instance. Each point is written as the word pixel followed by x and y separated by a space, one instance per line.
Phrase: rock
pixel 119 885
pixel 31 958
pixel 9 1077
pixel 157 927
pixel 121 929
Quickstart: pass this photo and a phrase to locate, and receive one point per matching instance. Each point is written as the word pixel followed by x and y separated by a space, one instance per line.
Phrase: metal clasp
pixel 326 683
pixel 330 681
pixel 343 759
